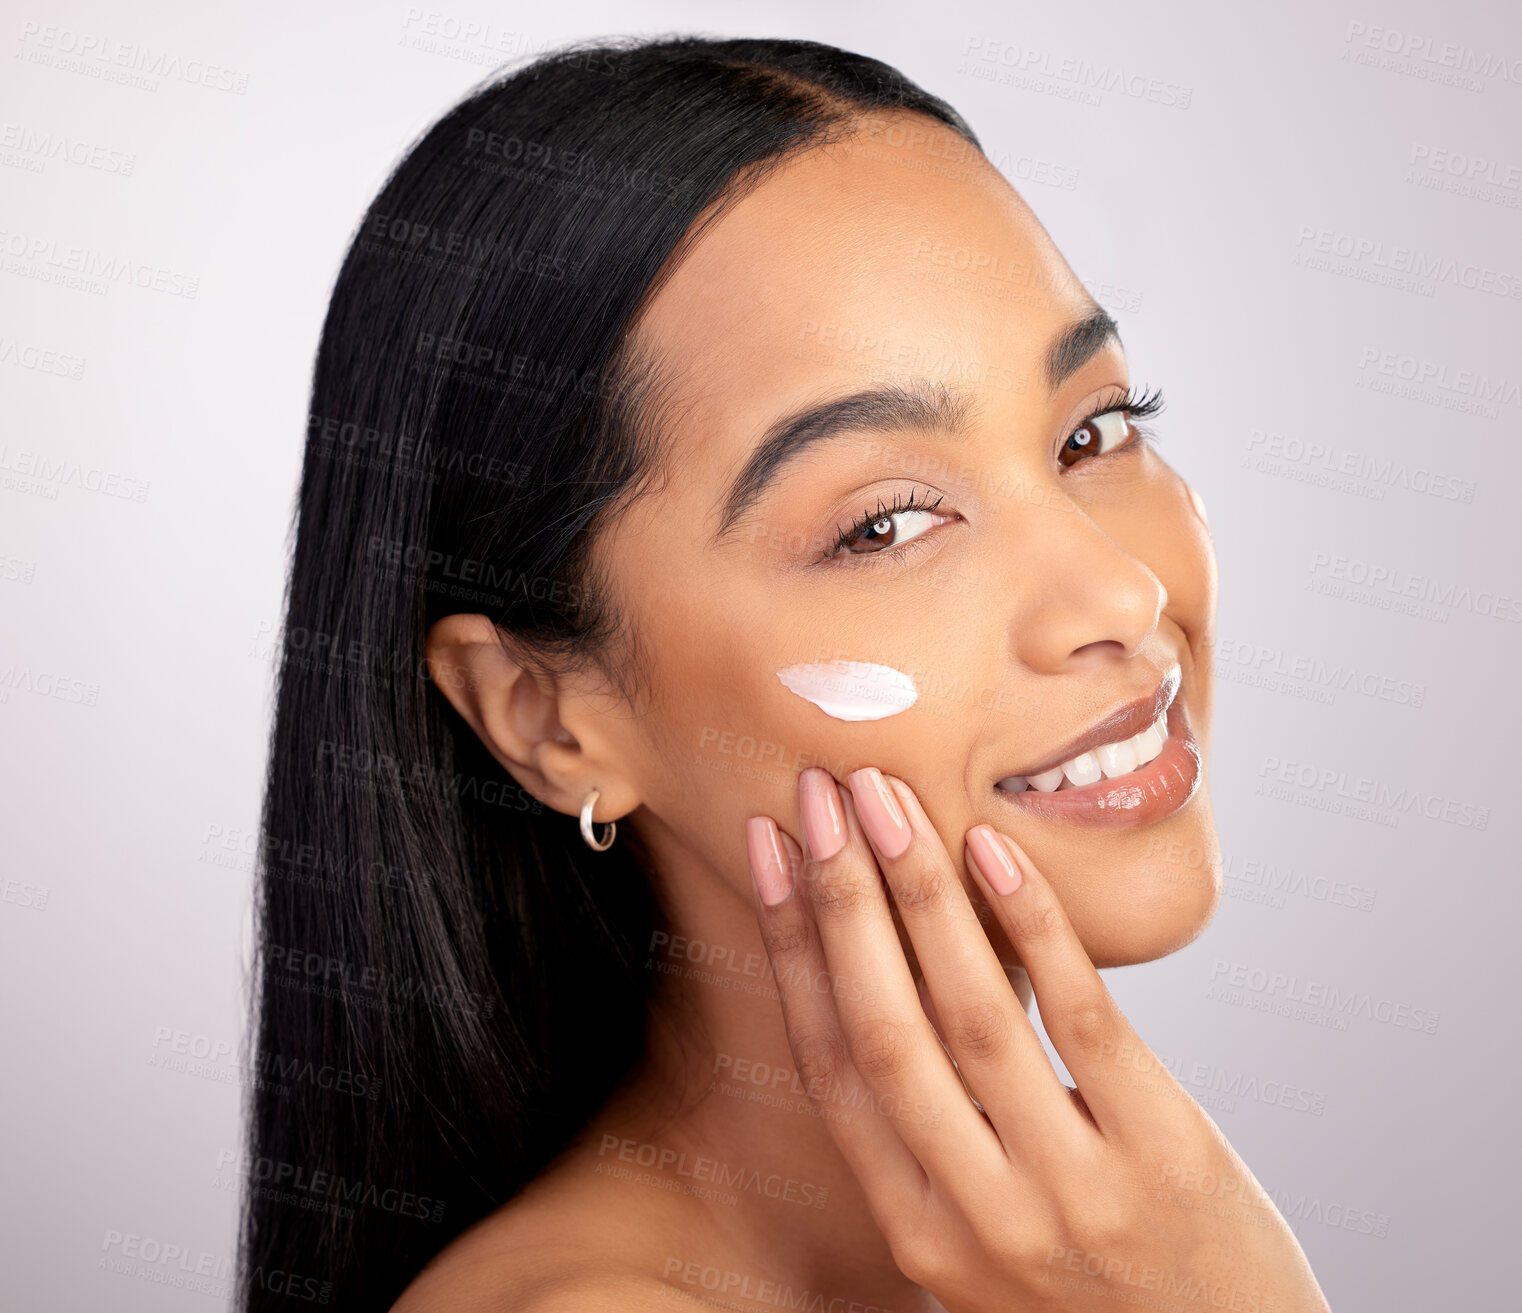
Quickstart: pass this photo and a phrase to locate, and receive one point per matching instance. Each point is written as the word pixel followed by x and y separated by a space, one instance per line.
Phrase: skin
pixel 1065 598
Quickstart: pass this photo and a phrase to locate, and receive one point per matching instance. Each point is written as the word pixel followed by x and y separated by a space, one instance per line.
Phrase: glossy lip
pixel 1140 797
pixel 1123 723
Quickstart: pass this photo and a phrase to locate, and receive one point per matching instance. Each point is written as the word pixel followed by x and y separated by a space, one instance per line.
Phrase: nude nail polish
pixel 881 816
pixel 824 823
pixel 993 860
pixel 769 864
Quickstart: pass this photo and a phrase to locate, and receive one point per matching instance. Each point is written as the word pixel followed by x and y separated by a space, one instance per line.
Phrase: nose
pixel 1081 592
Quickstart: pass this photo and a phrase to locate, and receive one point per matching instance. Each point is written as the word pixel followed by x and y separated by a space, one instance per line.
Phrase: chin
pixel 1158 921
pixel 1134 895
pixel 1155 899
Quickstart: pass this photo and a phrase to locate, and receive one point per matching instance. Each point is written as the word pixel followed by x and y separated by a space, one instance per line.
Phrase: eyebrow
pixel 921 404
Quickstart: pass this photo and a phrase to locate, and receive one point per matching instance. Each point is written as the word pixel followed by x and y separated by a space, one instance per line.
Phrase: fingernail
pixel 881 816
pixel 769 864
pixel 824 824
pixel 794 855
pixel 993 861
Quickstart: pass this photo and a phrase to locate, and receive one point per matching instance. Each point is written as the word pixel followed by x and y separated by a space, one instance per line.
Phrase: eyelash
pixel 865 522
pixel 1137 405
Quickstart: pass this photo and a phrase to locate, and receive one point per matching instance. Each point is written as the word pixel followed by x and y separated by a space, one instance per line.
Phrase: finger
pixel 1082 1018
pixel 867 1140
pixel 889 1039
pixel 980 1019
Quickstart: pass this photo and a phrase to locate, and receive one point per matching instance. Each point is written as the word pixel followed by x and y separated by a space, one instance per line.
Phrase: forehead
pixel 886 255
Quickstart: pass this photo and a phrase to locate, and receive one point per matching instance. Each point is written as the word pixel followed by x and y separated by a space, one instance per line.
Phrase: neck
pixel 716 1106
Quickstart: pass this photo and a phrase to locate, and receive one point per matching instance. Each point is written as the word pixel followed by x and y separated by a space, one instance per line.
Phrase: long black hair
pixel 447 981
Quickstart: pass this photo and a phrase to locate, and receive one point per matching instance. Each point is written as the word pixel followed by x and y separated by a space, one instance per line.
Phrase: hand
pixel 1127 1192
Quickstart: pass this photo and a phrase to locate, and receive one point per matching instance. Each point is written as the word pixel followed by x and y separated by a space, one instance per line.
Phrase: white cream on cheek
pixel 852 690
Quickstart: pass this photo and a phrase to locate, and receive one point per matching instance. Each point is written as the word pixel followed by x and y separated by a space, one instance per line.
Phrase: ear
pixel 557 742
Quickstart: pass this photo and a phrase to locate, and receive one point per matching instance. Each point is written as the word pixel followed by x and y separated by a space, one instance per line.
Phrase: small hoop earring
pixel 586 825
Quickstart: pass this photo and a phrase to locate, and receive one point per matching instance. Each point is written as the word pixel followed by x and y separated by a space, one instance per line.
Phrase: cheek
pixel 1198 503
pixel 896 698
pixel 851 690
pixel 749 707
pixel 1176 545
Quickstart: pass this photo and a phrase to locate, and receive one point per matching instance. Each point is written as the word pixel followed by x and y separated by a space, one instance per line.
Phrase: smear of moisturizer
pixel 852 690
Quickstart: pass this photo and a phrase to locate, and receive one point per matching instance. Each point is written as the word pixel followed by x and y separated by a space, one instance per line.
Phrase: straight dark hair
pixel 447 981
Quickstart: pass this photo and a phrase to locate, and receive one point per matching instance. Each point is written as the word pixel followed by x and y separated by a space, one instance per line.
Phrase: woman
pixel 730 448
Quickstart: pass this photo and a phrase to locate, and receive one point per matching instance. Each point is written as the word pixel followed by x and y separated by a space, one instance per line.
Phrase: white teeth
pixel 1108 760
pixel 1117 758
pixel 1083 769
pixel 1047 781
pixel 1150 741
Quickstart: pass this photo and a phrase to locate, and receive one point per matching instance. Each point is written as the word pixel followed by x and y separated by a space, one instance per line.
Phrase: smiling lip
pixel 1119 724
pixel 1138 797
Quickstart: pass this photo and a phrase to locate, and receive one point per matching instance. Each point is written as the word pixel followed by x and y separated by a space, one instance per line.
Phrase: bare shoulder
pixel 555 1279
pixel 563 1245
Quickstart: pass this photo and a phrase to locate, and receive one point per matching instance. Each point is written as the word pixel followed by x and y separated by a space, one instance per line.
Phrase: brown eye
pixel 885 532
pixel 1094 437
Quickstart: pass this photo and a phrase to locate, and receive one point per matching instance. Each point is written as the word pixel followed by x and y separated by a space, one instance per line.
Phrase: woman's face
pixel 1048 587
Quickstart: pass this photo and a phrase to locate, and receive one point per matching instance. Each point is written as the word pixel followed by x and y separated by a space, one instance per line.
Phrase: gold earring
pixel 586 825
